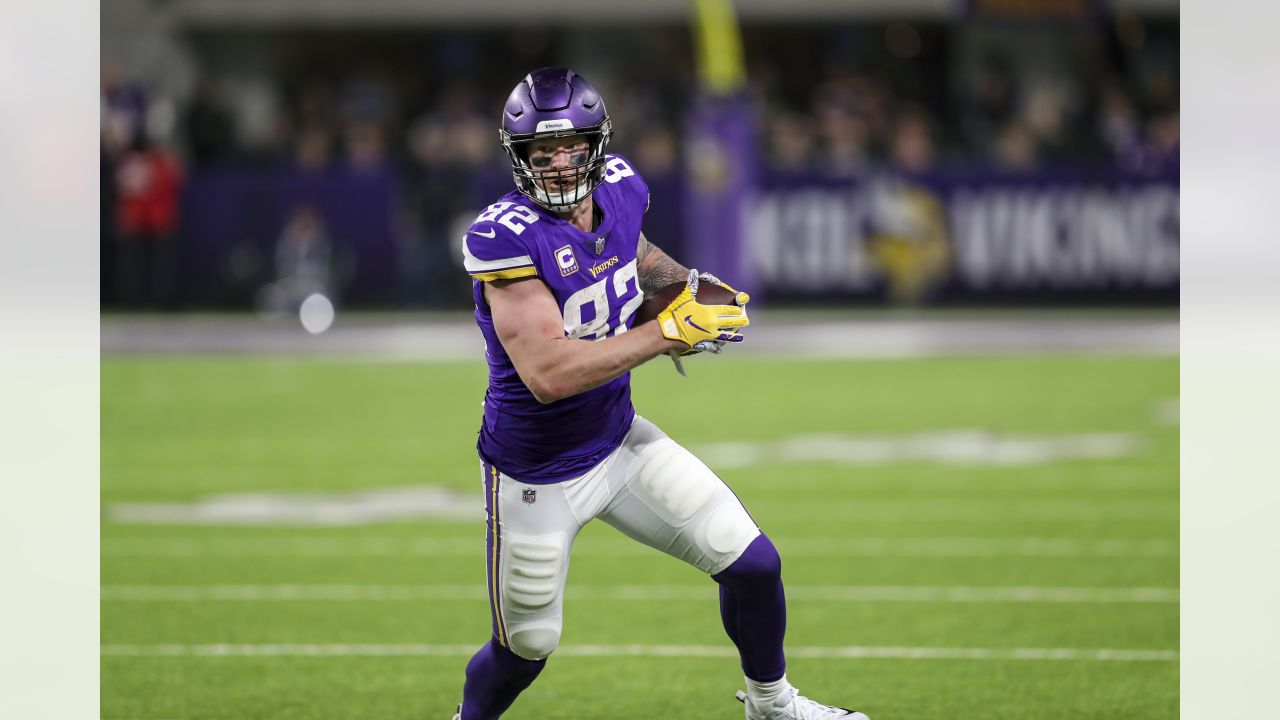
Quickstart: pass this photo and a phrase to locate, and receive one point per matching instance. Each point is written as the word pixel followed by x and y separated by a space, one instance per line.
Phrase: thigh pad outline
pixel 672 482
pixel 533 573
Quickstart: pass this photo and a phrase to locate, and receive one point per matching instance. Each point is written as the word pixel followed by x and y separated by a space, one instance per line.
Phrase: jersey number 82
pixel 596 295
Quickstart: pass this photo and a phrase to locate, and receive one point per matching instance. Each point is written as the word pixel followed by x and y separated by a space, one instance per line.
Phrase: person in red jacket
pixel 148 200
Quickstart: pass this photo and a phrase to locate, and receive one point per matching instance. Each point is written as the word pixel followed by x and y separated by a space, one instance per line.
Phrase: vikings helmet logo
pixel 909 242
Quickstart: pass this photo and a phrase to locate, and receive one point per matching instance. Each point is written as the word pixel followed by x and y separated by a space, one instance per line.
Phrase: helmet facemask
pixel 582 179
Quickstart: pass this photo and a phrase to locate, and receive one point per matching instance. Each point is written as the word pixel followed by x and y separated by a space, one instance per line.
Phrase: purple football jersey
pixel 594 281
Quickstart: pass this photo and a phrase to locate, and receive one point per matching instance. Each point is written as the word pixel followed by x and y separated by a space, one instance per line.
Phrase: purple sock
pixel 753 608
pixel 495 676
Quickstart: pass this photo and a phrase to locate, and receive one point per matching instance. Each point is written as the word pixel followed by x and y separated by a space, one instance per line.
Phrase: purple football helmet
pixel 555 103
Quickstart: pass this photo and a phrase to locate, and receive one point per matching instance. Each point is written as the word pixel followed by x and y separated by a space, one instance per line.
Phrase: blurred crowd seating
pixel 423 110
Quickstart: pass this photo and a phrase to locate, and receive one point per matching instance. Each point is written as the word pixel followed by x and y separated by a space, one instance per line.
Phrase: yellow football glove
pixel 703 327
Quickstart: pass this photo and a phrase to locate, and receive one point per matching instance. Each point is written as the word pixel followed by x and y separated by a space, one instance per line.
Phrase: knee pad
pixel 729 529
pixel 724 534
pixel 534 643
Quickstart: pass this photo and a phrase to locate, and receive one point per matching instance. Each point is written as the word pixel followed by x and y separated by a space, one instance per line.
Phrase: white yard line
pixel 958 446
pixel 705 592
pixel 774 333
pixel 402 505
pixel 1167 411
pixel 697 651
pixel 792 547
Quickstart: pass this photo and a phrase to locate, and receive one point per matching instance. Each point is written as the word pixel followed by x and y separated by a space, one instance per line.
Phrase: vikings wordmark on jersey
pixel 594 281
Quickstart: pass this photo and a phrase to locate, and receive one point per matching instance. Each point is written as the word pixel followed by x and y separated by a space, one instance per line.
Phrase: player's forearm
pixel 656 269
pixel 569 366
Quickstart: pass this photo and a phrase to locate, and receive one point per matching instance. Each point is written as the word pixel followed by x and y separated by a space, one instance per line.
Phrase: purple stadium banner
pixel 233 219
pixel 720 172
pixel 957 237
pixel 967 236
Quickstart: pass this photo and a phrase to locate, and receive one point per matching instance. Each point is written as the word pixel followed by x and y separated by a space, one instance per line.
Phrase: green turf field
pixel 925 582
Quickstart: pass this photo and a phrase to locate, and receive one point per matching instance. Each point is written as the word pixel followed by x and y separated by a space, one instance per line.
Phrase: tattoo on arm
pixel 655 268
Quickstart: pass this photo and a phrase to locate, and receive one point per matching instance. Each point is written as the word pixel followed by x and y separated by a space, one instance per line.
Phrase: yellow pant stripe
pixel 497 539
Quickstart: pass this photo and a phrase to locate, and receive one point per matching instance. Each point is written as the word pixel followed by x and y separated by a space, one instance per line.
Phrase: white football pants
pixel 650 488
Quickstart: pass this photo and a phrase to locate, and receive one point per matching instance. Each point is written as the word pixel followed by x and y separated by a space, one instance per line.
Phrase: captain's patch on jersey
pixel 566 260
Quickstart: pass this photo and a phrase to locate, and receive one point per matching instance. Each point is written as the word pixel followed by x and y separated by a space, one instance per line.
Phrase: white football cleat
pixel 458 715
pixel 791 705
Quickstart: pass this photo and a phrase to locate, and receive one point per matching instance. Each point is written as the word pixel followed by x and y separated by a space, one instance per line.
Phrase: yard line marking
pixel 964 509
pixel 338 508
pixel 957 447
pixel 441 504
pixel 788 340
pixel 798 547
pixel 701 651
pixel 976 547
pixel 836 593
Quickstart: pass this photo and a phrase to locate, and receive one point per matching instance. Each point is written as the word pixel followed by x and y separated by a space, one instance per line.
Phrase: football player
pixel 560 267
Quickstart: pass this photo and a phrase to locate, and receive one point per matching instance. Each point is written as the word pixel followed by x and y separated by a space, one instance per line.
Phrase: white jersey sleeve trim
pixel 474 264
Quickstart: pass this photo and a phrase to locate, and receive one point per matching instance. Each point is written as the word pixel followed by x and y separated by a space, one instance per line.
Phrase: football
pixel 708 294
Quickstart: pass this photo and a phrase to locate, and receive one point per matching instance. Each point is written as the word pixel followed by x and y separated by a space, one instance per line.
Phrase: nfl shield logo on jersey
pixel 600 244
pixel 530 496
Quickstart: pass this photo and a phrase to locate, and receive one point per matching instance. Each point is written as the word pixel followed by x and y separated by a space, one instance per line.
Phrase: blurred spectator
pixel 148 181
pixel 107 242
pixel 1159 150
pixel 1015 148
pixel 116 136
pixel 1162 135
pixel 844 136
pixel 638 105
pixel 304 262
pixel 210 127
pixel 913 146
pixel 1117 123
pixel 1159 87
pixel 657 154
pixel 365 145
pixel 791 143
pixel 315 105
pixel 989 102
pixel 876 102
pixel 472 133
pixel 124 104
pixel 312 149
pixel 447 148
pixel 368 96
pixel 1044 115
pixel 434 196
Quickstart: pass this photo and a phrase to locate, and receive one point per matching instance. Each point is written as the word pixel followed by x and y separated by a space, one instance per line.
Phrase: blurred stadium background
pixel 923 152
pixel 956 411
